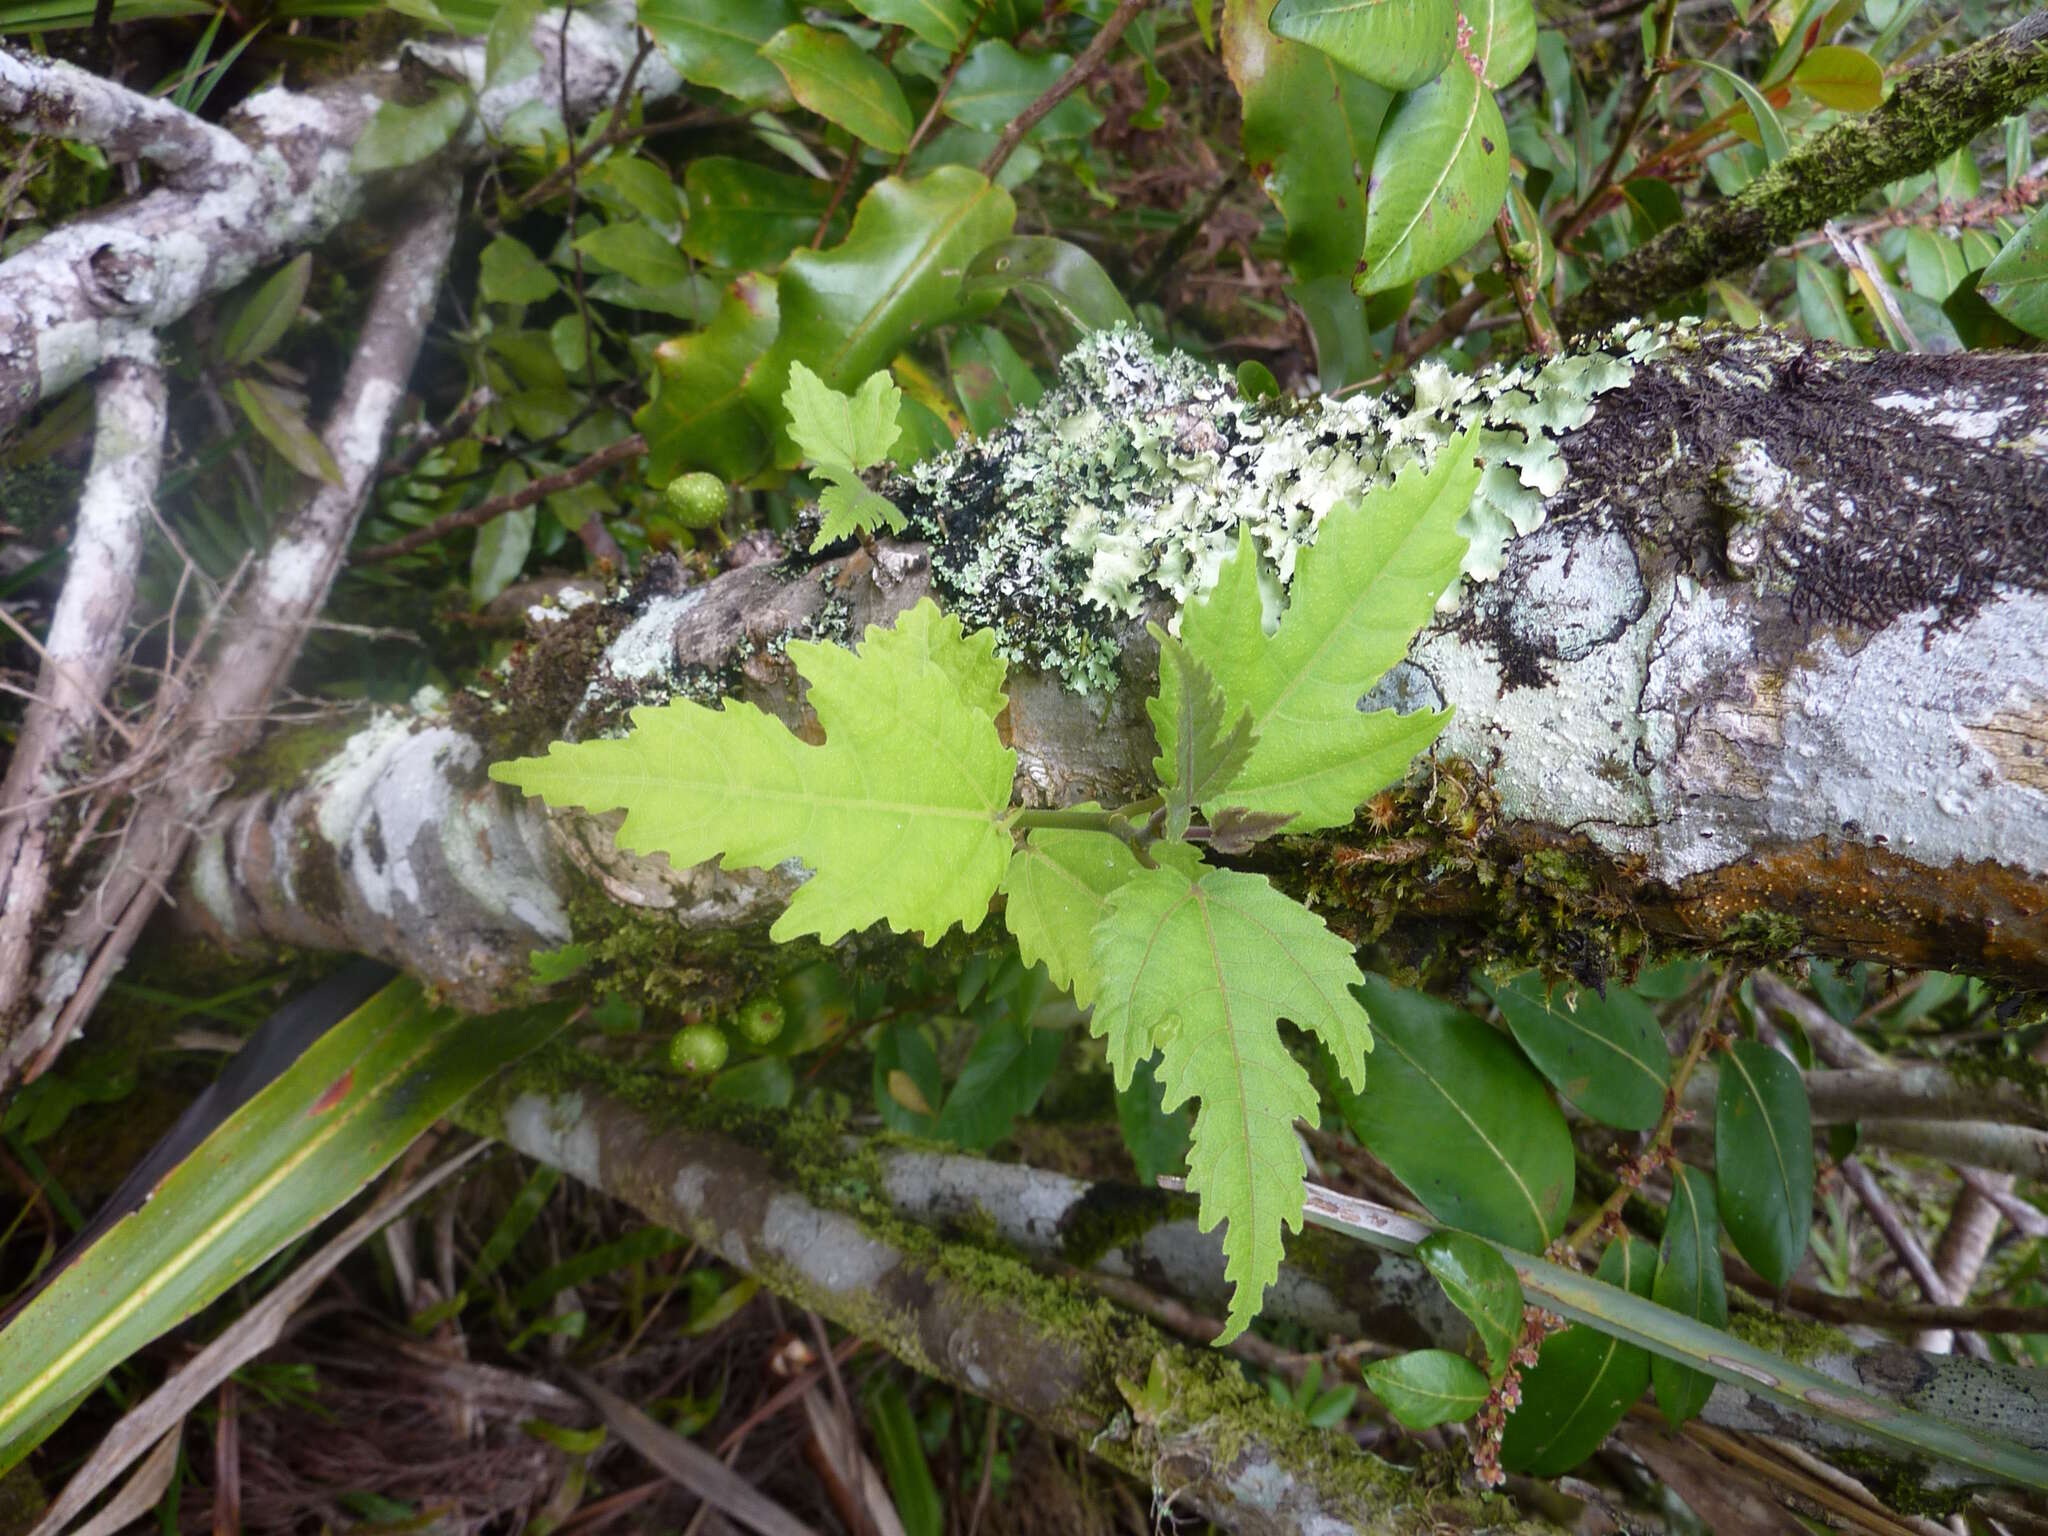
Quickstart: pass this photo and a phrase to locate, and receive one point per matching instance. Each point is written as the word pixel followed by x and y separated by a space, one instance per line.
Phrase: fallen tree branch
pixel 1907 1091
pixel 1931 112
pixel 1183 1420
pixel 59 100
pixel 224 710
pixel 648 1141
pixel 276 181
pixel 1681 709
pixel 87 637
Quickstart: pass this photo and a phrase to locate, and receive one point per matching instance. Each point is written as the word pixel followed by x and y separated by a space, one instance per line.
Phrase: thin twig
pixel 497 506
pixel 1542 339
pixel 1091 59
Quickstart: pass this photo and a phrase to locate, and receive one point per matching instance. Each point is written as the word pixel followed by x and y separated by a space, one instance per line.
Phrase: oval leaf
pixel 1395 43
pixel 1604 1054
pixel 829 73
pixel 1689 1281
pixel 744 215
pixel 997 84
pixel 1503 38
pixel 1426 1387
pixel 1063 275
pixel 1583 1381
pixel 262 321
pixel 2016 282
pixel 283 425
pixel 1439 175
pixel 1482 1285
pixel 1763 1156
pixel 717 43
pixel 1847 79
pixel 1453 1109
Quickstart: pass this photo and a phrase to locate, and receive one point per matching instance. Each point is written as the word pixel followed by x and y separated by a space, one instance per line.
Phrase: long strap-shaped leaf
pixel 273 1169
pixel 1720 1355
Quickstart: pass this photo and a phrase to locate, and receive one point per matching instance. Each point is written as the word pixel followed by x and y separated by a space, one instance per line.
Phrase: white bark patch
pixel 646 652
pixel 830 1251
pixel 558 1132
pixel 1957 412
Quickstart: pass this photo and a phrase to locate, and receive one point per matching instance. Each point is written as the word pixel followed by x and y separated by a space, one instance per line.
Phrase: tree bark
pixel 277 180
pixel 1759 674
pixel 718 1174
pixel 1184 1421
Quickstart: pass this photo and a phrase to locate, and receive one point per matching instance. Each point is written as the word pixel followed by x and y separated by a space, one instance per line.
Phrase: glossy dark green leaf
pixel 270 1172
pixel 1690 1282
pixel 283 425
pixel 1583 1380
pixel 745 216
pixel 942 23
pixel 766 1082
pixel 2016 282
pixel 1396 43
pixel 1004 1075
pixel 717 43
pixel 907 1082
pixel 1309 127
pixel 699 417
pixel 263 318
pixel 997 83
pixel 1763 1158
pixel 1439 176
pixel 635 187
pixel 1453 1109
pixel 1606 1055
pixel 833 76
pixel 1482 1285
pixel 1935 264
pixel 1060 273
pixel 849 310
pixel 992 381
pixel 1426 1387
pixel 503 543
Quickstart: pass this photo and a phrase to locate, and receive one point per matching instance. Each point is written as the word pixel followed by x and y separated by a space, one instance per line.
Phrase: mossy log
pixel 1747 661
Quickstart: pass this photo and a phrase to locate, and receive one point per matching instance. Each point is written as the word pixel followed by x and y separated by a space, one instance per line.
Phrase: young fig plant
pixel 843 435
pixel 904 815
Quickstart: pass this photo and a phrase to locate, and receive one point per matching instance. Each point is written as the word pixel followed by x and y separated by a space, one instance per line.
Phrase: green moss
pixel 1900 1483
pixel 1790 1338
pixel 285 758
pixel 1764 935
pixel 1113 1216
pixel 317 883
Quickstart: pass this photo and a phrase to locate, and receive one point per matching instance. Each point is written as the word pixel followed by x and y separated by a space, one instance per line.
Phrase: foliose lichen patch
pixel 1130 481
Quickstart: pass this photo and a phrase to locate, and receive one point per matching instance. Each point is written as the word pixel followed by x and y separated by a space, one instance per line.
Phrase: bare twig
pixel 1542 339
pixel 626 448
pixel 1083 68
pixel 49 96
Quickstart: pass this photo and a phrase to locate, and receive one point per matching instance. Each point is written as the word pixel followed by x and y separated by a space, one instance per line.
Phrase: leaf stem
pixel 1608 1213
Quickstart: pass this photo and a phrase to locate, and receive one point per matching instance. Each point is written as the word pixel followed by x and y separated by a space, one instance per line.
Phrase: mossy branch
pixel 1932 112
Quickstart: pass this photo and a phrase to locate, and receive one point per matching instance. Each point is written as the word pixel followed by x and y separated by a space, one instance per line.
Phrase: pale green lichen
pixel 1131 482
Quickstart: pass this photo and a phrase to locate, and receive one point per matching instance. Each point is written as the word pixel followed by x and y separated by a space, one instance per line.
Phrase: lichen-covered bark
pixel 1932 112
pixel 277 181
pixel 1758 672
pixel 1209 1441
pixel 828 1219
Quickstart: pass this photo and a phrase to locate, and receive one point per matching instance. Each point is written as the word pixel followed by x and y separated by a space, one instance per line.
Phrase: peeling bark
pixel 1762 676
